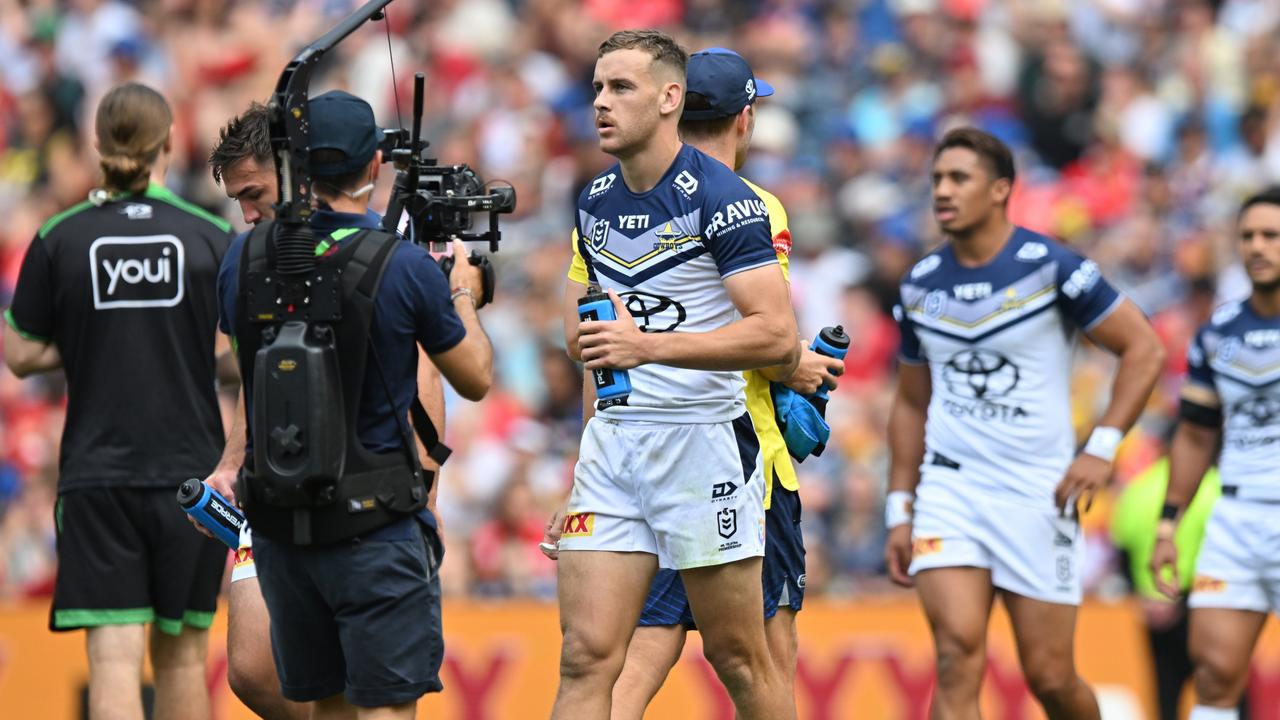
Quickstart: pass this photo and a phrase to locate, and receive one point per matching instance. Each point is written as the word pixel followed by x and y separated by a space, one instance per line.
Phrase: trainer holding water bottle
pixel 119 291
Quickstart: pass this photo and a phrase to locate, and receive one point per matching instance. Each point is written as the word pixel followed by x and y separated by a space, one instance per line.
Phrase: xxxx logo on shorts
pixel 926 546
pixel 579 525
pixel 1206 584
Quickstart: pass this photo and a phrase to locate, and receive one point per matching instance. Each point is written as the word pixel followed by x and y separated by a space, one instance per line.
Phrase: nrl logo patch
pixel 599 235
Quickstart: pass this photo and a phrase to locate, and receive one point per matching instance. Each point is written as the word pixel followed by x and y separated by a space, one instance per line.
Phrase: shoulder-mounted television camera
pixel 441 200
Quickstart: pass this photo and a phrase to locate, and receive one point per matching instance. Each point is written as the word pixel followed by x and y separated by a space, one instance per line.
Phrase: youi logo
pixel 137 272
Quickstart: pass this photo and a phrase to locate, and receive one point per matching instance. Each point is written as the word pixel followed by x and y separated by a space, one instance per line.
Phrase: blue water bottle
pixel 211 510
pixel 832 342
pixel 612 386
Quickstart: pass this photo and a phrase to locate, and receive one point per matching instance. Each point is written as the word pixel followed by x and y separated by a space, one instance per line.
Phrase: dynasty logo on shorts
pixel 1206 584
pixel 922 546
pixel 579 525
pixel 136 272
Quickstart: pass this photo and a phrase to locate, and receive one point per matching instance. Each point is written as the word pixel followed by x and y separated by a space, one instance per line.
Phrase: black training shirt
pixel 127 293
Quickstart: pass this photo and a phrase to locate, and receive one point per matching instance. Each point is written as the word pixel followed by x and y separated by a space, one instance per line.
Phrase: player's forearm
pixel 1139 369
pixel 1190 455
pixel 783 373
pixel 233 451
pixel 756 341
pixel 26 356
pixel 906 445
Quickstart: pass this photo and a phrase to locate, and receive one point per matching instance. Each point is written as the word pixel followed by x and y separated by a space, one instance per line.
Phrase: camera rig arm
pixel 290 132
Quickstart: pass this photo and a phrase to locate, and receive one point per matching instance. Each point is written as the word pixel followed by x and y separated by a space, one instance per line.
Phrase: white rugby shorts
pixel 1030 551
pixel 1239 563
pixel 243 569
pixel 691 494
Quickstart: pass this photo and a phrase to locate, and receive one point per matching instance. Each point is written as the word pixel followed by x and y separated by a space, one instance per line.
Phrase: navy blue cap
pixel 341 121
pixel 725 79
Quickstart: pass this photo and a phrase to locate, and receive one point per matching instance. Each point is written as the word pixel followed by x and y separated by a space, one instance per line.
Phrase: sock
pixel 1204 712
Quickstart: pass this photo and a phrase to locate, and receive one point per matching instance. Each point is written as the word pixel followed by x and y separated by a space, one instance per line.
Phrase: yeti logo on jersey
pixel 654 312
pixel 686 183
pixel 972 291
pixel 601 185
pixel 1032 251
pixel 925 266
pixel 727 522
pixel 1255 412
pixel 1262 338
pixel 980 374
pixel 136 211
pixel 599 235
pixel 136 272
pixel 1082 279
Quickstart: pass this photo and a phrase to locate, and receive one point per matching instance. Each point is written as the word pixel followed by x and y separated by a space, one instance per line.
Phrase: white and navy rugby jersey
pixel 999 340
pixel 1237 357
pixel 666 253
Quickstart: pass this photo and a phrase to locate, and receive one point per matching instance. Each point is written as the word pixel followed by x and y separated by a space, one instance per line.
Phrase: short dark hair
pixel 333 185
pixel 1269 196
pixel 703 129
pixel 988 148
pixel 660 46
pixel 246 136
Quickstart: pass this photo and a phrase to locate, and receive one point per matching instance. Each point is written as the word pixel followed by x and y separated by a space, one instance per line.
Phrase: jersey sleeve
pixel 1198 370
pixel 909 350
pixel 738 230
pixel 1085 296
pixel 228 285
pixel 31 312
pixel 577 266
pixel 436 322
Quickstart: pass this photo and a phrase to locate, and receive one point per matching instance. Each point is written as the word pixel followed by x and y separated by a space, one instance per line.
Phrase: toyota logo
pixel 1255 412
pixel 980 374
pixel 654 312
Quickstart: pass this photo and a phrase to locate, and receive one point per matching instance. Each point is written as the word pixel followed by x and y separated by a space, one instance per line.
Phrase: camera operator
pixel 242 163
pixel 119 291
pixel 356 622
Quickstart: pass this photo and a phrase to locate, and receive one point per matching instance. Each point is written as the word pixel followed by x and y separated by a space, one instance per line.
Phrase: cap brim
pixel 763 89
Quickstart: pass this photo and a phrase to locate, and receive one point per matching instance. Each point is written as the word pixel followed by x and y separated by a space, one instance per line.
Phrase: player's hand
pixel 224 481
pixel 1087 475
pixel 464 274
pixel 613 344
pixel 550 545
pixel 1164 556
pixel 814 371
pixel 897 554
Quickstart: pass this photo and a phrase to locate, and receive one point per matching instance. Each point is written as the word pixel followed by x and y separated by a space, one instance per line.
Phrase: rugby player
pixel 982 444
pixel 672 476
pixel 1232 395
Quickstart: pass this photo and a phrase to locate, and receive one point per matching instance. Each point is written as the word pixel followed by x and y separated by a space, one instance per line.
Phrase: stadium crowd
pixel 1139 126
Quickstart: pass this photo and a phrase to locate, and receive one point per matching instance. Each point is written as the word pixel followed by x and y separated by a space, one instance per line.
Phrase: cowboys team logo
pixel 654 313
pixel 599 235
pixel 980 374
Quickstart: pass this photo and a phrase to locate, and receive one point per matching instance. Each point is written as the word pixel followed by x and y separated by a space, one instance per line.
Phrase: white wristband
pixel 1103 442
pixel 897 508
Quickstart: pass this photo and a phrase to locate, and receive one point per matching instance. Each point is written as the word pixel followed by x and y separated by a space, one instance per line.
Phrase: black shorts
pixel 782 572
pixel 128 556
pixel 358 617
